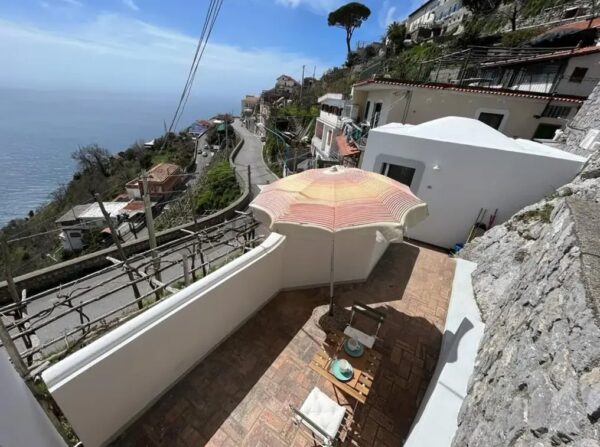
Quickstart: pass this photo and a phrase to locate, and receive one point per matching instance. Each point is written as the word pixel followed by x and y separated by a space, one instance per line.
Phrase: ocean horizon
pixel 40 129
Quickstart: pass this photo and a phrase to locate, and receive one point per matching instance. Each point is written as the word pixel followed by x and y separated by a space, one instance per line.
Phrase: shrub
pixel 219 189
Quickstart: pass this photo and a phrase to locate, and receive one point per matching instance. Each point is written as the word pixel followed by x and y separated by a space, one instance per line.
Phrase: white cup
pixel 344 365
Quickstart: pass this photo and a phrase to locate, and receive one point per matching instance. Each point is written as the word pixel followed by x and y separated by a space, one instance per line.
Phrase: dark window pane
pixel 491 119
pixel 401 174
pixel 578 74
pixel 546 131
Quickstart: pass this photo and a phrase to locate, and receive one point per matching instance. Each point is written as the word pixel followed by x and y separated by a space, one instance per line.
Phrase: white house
pixel 459 166
pixel 435 18
pixel 76 222
pixel 286 84
pixel 335 111
pixel 573 71
pixel 516 114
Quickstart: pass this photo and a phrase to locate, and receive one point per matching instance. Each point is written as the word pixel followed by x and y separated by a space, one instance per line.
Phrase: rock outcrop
pixel 537 376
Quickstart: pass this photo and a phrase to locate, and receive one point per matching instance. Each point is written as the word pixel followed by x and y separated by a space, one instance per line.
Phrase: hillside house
pixel 435 18
pixel 459 166
pixel 564 71
pixel 80 219
pixel 516 114
pixel 286 84
pixel 335 111
pixel 163 180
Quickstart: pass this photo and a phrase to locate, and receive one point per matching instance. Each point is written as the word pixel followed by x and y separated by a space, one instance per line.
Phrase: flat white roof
pixel 472 132
pixel 93 211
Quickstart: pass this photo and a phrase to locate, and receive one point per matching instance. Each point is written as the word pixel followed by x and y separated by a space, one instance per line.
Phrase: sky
pixel 146 46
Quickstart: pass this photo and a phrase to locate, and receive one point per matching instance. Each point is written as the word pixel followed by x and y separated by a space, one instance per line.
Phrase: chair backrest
pixel 372 314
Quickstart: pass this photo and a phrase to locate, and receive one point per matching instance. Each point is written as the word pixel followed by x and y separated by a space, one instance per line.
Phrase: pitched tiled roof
pixel 465 89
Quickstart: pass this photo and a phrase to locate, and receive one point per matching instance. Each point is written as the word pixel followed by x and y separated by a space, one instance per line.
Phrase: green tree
pixel 349 17
pixel 396 33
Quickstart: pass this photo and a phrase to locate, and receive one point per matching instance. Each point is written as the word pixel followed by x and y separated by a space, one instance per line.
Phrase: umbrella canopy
pixel 338 198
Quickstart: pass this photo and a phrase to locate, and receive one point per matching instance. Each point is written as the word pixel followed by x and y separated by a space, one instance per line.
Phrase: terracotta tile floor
pixel 240 394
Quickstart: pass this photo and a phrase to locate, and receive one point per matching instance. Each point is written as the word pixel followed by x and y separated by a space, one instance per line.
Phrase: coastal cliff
pixel 537 377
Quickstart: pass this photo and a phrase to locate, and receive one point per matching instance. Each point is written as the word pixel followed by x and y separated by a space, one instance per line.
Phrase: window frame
pixel 578 79
pixel 505 114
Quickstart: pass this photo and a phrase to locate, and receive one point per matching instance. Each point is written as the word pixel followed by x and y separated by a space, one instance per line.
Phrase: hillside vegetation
pixel 393 56
pixel 98 171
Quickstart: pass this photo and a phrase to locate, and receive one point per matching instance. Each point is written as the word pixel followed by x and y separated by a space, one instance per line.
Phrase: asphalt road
pixel 251 154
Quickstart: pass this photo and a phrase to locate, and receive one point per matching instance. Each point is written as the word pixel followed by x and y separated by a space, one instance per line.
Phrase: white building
pixel 459 166
pixel 516 114
pixel 564 72
pixel 435 18
pixel 286 84
pixel 335 112
pixel 76 222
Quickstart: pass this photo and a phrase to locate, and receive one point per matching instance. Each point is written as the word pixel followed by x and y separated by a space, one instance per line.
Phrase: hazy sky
pixel 146 46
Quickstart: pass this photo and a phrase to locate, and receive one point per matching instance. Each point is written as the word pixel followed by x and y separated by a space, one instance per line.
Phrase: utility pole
pixel 302 85
pixel 115 238
pixel 191 199
pixel 150 225
pixel 12 288
pixel 226 133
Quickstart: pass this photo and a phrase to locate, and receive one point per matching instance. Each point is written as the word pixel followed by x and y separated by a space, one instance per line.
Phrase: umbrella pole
pixel 331 272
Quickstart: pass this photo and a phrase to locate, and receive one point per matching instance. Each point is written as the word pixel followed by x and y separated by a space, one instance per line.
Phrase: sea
pixel 39 129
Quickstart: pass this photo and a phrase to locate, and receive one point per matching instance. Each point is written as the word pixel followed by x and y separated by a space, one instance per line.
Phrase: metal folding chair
pixel 322 416
pixel 367 311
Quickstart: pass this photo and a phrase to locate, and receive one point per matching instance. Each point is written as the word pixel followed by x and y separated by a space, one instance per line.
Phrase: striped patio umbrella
pixel 341 199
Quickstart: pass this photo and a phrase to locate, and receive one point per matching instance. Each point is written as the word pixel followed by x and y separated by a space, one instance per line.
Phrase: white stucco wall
pixel 105 385
pixel 308 260
pixel 437 419
pixel 592 62
pixel 468 178
pixel 426 104
pixel 22 421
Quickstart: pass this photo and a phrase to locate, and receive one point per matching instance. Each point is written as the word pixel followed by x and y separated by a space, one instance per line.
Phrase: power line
pixel 209 21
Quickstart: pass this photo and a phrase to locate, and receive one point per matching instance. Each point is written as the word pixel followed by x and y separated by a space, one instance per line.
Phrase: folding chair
pixel 322 416
pixel 373 314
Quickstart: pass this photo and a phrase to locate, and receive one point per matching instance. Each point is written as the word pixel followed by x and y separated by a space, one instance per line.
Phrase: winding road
pixel 251 154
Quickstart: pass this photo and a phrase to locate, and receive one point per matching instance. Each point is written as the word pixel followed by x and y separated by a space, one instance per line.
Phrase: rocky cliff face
pixel 537 377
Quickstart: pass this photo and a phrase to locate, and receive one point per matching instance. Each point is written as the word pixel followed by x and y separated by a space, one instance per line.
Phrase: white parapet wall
pixel 22 421
pixel 107 384
pixel 437 419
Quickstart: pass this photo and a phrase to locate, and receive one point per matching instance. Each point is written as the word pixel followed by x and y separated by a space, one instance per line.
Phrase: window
pixel 329 137
pixel 376 115
pixel 74 234
pixel 556 111
pixel 491 119
pixel 367 110
pixel 578 74
pixel 402 174
pixel 546 131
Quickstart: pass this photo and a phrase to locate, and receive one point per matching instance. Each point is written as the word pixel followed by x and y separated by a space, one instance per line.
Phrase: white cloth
pixel 323 412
